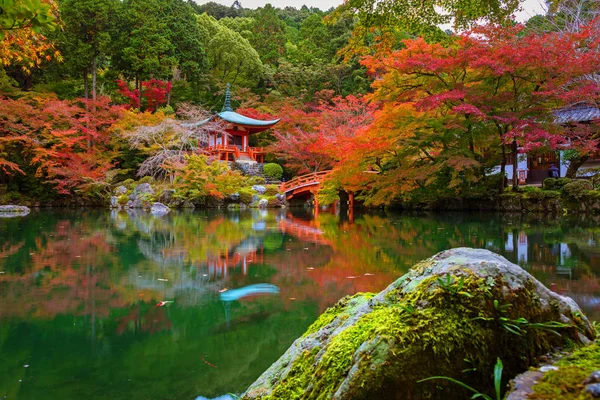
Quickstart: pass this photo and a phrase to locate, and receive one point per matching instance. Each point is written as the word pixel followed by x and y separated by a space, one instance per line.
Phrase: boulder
pixel 9 211
pixel 120 190
pixel 280 197
pixel 114 202
pixel 235 197
pixel 451 315
pixel 260 189
pixel 263 203
pixel 159 209
pixel 143 188
pixel 166 196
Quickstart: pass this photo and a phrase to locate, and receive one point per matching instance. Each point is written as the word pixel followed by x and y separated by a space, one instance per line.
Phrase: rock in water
pixel 451 315
pixel 9 211
pixel 159 209
pixel 263 203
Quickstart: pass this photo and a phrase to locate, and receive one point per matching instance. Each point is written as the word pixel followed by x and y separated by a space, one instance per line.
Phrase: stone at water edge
pixel 378 346
pixel 9 211
pixel 159 209
pixel 263 203
pixel 121 190
pixel 143 188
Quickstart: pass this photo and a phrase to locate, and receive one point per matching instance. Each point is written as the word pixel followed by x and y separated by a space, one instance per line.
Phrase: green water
pixel 79 289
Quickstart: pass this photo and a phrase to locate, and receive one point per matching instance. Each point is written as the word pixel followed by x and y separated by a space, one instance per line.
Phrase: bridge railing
pixel 304 180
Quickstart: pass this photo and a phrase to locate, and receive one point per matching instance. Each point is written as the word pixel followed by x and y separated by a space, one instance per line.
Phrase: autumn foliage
pixel 66 141
pixel 448 114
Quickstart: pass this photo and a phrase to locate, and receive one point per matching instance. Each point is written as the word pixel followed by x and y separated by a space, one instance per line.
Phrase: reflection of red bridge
pixel 307 231
pixel 218 267
pixel 304 184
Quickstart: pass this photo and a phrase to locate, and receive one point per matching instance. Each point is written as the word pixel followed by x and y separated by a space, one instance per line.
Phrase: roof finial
pixel 227 105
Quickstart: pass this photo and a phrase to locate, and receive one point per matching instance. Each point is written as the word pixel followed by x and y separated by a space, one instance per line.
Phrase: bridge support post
pixel 351 206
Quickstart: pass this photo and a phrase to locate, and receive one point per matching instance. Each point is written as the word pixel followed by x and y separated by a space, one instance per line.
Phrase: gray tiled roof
pixel 580 113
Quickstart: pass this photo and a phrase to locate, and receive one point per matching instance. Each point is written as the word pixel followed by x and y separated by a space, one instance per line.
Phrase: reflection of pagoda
pixel 232 145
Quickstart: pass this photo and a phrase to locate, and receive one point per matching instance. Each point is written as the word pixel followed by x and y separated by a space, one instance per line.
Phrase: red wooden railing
pixel 304 180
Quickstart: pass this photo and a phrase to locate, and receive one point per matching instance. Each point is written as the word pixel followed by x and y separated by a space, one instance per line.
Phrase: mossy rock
pixel 452 315
pixel 565 379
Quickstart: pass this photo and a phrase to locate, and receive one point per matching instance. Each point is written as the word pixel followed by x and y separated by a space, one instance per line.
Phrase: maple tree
pixel 22 39
pixel 314 139
pixel 66 141
pixel 451 113
pixel 154 91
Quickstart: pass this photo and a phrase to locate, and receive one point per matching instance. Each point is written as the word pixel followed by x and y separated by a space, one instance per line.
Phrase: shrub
pixel 127 183
pixel 146 179
pixel 555 183
pixel 272 190
pixel 542 194
pixel 255 180
pixel 245 195
pixel 273 171
pixel 576 190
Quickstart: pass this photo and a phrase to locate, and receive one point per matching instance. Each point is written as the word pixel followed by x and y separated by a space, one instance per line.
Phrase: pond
pixel 198 304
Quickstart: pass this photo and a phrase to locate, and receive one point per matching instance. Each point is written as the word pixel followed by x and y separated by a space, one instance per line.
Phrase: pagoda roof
pixel 581 112
pixel 239 119
pixel 229 115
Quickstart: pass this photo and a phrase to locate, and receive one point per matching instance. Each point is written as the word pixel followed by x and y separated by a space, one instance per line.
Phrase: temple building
pixel 233 144
pixel 532 167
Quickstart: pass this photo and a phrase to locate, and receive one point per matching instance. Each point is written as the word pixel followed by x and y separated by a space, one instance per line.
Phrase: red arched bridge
pixel 304 184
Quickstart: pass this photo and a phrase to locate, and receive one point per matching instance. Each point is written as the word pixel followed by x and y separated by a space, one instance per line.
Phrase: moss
pixel 297 379
pixel 341 309
pixel 245 195
pixel 566 382
pixel 271 190
pixel 425 327
pixel 123 199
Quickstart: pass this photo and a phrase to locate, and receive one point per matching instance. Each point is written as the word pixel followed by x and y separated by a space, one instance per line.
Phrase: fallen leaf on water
pixel 292 298
pixel 223 290
pixel 351 277
pixel 306 248
pixel 368 274
pixel 163 280
pixel 163 303
pixel 26 365
pixel 310 268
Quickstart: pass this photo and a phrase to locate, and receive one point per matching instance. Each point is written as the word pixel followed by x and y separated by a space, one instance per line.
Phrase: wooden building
pixel 233 144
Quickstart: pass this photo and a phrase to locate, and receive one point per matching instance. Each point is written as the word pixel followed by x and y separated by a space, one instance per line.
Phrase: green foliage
pixel 18 14
pixel 271 190
pixel 202 180
pixel 245 195
pixel 576 190
pixel 273 171
pixel 555 183
pixel 477 394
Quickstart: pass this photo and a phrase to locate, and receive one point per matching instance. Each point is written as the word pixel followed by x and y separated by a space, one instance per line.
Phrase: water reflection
pixel 128 305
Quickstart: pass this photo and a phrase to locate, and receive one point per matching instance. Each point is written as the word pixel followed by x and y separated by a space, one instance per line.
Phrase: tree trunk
pixel 515 164
pixel 503 170
pixel 138 85
pixel 94 68
pixel 574 166
pixel 86 90
pixel 169 97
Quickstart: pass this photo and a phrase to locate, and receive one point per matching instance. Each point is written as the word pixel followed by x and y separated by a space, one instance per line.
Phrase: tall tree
pixel 86 36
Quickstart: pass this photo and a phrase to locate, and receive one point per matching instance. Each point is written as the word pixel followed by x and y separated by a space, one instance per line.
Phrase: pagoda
pixel 232 143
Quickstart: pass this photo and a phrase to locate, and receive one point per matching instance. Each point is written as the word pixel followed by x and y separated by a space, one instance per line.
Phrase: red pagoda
pixel 232 145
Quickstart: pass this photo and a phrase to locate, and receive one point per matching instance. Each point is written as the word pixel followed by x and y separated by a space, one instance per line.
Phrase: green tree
pixel 86 37
pixel 144 49
pixel 229 53
pixel 269 34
